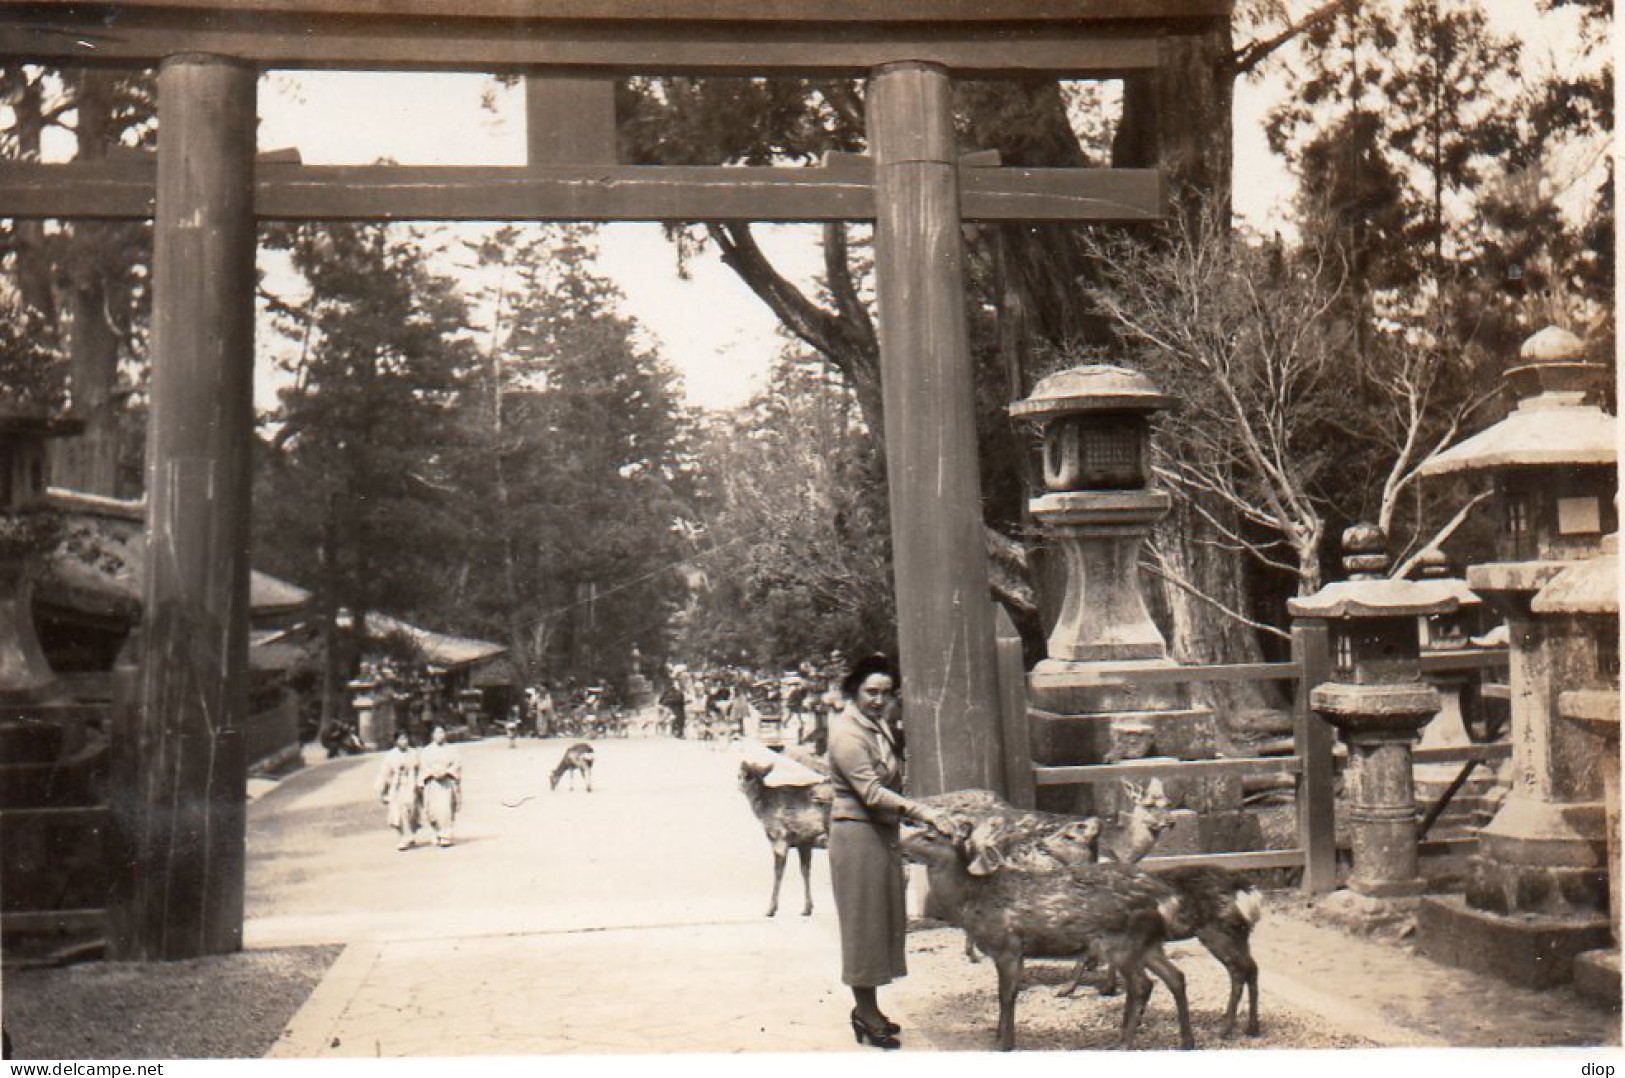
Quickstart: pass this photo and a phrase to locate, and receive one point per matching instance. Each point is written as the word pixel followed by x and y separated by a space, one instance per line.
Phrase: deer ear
pixel 1153 791
pixel 980 846
pixel 986 861
pixel 1135 792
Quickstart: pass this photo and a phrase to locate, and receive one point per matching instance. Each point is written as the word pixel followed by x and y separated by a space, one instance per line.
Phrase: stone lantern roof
pixel 1585 587
pixel 1552 423
pixel 1380 599
pixel 1368 593
pixel 1098 387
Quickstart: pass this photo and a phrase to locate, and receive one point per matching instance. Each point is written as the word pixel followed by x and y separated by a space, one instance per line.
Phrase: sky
pixel 710 327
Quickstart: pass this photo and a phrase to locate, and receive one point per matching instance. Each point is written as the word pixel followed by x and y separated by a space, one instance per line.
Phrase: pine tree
pixel 355 470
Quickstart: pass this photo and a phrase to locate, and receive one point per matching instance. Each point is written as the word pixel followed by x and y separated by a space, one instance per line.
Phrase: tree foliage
pixel 792 547
pixel 573 473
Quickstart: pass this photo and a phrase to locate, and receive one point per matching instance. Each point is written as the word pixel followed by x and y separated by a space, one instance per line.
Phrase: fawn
pixel 1216 906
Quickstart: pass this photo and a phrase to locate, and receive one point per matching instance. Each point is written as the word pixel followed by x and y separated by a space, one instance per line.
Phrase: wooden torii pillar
pixel 185 822
pixel 939 553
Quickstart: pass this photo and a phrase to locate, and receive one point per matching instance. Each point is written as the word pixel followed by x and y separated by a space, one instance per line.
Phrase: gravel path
pixel 224 1007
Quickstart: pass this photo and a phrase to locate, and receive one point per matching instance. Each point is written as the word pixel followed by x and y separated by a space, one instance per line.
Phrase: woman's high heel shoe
pixel 892 1028
pixel 864 1033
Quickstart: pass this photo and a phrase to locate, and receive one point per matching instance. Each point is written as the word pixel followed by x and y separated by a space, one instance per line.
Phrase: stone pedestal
pixel 1380 724
pixel 640 693
pixel 364 700
pixel 1581 608
pixel 1539 876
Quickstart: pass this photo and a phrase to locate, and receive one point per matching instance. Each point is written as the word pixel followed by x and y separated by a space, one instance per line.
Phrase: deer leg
pixel 971 952
pixel 1080 973
pixel 806 877
pixel 780 852
pixel 1009 967
pixel 588 773
pixel 1160 964
pixel 1232 950
pixel 1138 987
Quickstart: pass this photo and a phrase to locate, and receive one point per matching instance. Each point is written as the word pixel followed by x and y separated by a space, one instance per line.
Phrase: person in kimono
pixel 398 789
pixel 440 777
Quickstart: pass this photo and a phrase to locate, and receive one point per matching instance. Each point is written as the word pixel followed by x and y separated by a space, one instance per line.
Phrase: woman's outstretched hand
pixel 934 817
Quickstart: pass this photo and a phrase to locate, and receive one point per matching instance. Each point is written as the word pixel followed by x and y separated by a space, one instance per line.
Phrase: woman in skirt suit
pixel 866 867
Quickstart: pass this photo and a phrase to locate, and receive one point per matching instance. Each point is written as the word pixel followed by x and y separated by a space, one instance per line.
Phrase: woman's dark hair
pixel 863 668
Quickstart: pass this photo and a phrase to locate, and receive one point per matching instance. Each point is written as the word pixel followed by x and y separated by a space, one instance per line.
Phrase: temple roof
pixel 442 649
pixel 97 567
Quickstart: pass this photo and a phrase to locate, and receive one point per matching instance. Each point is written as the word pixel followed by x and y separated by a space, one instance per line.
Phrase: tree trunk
pixel 1179 118
pixel 1199 632
pixel 90 461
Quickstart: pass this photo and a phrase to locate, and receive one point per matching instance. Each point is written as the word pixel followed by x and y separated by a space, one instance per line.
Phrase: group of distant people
pixel 422 788
pixel 721 703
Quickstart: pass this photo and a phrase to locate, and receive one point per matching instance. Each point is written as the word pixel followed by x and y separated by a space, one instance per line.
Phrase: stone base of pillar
pixel 1596 975
pixel 1525 949
pixel 1541 858
pixel 1527 831
pixel 1365 914
pixel 1388 889
pixel 640 693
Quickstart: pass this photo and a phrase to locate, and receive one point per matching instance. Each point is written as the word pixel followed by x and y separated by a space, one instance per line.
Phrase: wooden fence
pixel 1313 763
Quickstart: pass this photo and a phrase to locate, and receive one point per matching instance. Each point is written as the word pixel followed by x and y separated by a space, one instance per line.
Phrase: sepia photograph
pixel 791 533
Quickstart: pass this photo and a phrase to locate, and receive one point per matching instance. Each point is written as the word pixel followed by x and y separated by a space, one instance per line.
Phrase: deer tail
pixel 1250 904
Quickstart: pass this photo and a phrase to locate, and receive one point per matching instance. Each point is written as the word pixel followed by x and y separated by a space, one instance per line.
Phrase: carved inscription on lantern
pixel 1579 516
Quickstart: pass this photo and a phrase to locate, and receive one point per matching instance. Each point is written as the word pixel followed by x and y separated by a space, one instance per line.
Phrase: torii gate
pixel 178 807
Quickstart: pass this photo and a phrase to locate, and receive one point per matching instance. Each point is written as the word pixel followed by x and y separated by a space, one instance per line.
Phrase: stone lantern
pixel 29 529
pixel 1536 891
pixel 1581 608
pixel 1098 508
pixel 1378 703
pixel 364 698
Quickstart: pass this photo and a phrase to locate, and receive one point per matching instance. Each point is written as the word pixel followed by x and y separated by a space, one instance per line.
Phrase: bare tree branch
pixel 1403 569
pixel 1251 55
pixel 1162 572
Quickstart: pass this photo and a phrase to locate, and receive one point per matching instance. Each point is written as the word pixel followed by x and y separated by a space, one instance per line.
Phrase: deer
pixel 1013 914
pixel 576 758
pixel 1216 906
pixel 1036 840
pixel 794 814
